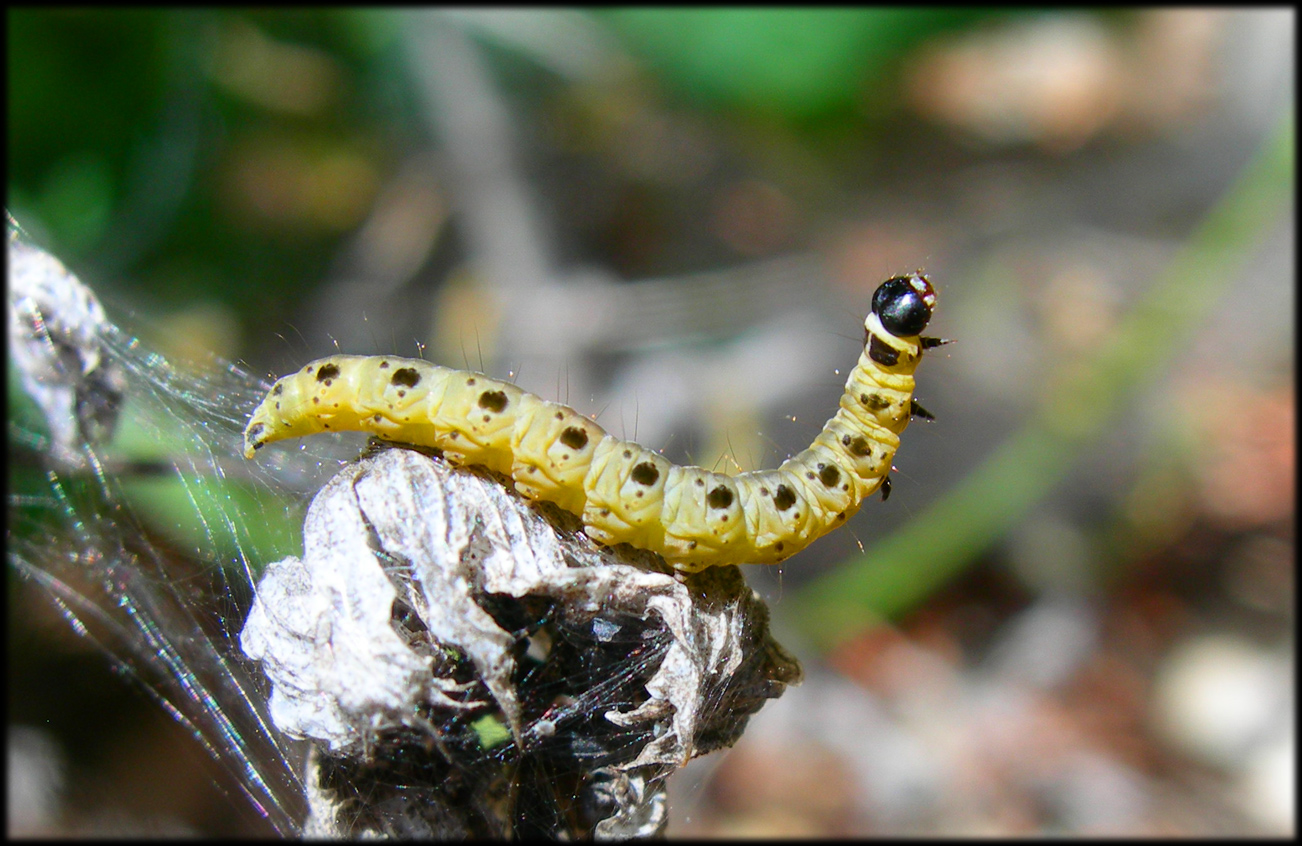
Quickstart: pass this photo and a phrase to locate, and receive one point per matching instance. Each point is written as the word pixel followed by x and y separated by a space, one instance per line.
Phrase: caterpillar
pixel 623 492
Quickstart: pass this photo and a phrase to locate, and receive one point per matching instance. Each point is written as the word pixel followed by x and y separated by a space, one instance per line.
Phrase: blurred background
pixel 1075 614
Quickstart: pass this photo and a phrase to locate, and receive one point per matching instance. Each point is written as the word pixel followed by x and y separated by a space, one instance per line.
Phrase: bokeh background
pixel 1074 615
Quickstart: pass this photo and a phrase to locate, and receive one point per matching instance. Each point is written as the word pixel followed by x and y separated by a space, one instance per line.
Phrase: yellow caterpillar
pixel 624 492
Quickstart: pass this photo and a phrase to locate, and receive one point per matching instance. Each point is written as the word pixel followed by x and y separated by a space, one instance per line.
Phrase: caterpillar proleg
pixel 623 492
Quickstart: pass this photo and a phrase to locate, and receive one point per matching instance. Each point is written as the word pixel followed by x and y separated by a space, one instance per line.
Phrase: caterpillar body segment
pixel 625 489
pixel 475 421
pixel 704 518
pixel 623 492
pixel 553 446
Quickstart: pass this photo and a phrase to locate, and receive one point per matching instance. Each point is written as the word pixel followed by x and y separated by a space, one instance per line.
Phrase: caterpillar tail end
pixel 253 438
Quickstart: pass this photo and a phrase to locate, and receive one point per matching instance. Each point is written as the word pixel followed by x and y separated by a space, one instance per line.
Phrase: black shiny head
pixel 904 304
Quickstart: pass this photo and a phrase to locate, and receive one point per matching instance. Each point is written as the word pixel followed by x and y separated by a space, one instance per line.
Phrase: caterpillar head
pixel 904 304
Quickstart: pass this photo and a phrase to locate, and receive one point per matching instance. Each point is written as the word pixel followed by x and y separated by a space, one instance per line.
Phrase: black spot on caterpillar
pixel 623 492
pixel 574 437
pixel 407 377
pixel 645 474
pixel 720 497
pixel 494 401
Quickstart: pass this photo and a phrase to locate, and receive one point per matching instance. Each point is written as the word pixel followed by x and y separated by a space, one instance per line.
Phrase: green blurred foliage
pixel 795 64
pixel 135 157
pixel 81 80
pixel 129 154
pixel 217 519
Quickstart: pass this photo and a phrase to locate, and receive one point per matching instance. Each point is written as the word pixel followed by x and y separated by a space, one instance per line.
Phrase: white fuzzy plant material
pixel 56 328
pixel 400 535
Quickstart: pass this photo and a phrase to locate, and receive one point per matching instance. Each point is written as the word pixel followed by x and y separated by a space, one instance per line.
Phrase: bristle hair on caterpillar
pixel 624 492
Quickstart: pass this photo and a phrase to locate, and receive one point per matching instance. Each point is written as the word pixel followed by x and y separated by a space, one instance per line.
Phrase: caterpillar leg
pixel 916 410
